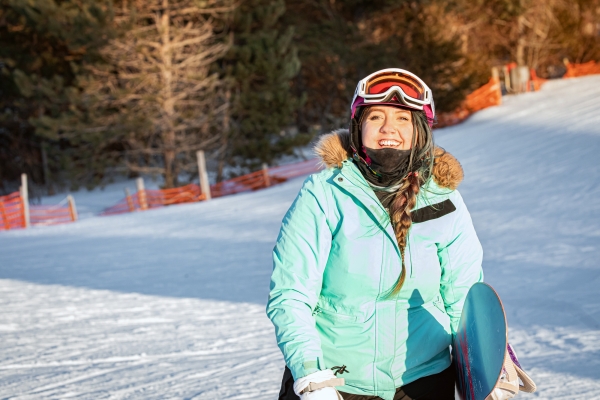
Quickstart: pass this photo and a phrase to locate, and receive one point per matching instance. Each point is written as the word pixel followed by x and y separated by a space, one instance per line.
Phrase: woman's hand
pixel 319 386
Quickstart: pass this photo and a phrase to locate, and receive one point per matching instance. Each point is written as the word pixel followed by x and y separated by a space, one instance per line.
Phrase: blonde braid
pixel 403 203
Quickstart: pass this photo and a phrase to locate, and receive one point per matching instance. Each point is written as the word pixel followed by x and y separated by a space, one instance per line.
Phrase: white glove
pixel 319 386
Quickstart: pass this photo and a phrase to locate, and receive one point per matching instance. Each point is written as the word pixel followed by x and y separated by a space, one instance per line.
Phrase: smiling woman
pixel 352 292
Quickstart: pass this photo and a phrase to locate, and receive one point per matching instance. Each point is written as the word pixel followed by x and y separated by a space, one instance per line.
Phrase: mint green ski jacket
pixel 336 261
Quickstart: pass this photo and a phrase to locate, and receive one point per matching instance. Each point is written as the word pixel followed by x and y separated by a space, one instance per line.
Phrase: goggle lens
pixel 381 83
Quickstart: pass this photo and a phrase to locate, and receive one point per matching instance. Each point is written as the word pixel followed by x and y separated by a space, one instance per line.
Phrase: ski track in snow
pixel 169 303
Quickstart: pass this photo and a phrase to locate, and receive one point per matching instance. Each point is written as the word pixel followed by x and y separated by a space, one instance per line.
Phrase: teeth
pixel 388 143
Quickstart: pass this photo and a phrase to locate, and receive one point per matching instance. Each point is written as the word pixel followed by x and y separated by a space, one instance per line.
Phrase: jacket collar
pixel 334 148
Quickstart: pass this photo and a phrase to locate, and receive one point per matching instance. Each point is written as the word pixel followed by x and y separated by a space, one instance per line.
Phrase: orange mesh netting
pixel 11 212
pixel 261 179
pixel 588 68
pixel 253 181
pixel 51 215
pixel 486 96
pixel 294 170
pixel 537 81
pixel 156 198
pixel 192 193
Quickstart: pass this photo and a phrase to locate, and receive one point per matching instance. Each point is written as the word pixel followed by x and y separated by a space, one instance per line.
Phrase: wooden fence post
pixel 507 83
pixel 524 78
pixel 495 74
pixel 4 217
pixel 129 200
pixel 204 185
pixel 265 169
pixel 25 200
pixel 142 193
pixel 72 208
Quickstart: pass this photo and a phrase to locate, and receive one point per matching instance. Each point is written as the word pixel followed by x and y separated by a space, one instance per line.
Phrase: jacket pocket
pixel 439 303
pixel 334 316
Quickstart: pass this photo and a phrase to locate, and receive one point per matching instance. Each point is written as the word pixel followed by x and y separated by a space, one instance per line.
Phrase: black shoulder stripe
pixel 432 212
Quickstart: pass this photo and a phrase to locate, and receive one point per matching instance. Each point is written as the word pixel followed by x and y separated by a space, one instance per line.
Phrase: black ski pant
pixel 434 387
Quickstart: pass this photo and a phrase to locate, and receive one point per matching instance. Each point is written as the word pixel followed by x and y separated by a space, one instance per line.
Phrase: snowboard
pixel 480 343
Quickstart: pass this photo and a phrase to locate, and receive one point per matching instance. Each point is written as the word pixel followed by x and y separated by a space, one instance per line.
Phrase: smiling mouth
pixel 389 143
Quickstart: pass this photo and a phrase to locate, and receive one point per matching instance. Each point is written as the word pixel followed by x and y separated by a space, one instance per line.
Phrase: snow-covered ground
pixel 170 303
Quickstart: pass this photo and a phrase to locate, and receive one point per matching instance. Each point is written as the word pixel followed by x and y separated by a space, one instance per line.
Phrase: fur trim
pixel 447 171
pixel 333 148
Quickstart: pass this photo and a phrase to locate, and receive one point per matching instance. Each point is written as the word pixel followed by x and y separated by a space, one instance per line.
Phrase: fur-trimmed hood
pixel 333 148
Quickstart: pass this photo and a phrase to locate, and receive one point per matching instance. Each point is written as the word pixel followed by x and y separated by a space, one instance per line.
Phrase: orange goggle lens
pixel 381 83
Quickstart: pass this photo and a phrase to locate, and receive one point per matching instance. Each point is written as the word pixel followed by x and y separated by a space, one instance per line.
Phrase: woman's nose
pixel 387 127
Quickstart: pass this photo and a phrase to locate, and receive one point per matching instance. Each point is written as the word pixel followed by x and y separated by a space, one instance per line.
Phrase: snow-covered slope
pixel 170 303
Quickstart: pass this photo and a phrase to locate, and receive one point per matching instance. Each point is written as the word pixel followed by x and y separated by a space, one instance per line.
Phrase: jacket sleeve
pixel 299 258
pixel 460 258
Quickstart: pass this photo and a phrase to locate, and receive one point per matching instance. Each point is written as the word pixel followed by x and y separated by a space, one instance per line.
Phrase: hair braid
pixel 405 200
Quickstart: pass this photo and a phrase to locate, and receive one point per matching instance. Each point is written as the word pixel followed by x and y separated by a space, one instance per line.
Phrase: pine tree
pixel 43 44
pixel 152 103
pixel 259 69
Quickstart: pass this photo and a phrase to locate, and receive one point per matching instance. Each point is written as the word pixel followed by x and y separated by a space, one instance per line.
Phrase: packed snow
pixel 169 303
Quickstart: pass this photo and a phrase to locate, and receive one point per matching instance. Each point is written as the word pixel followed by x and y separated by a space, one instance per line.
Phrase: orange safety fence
pixel 12 215
pixel 164 197
pixel 588 68
pixel 264 178
pixel 252 181
pixel 61 213
pixel 295 170
pixel 486 96
pixel 536 81
pixel 192 193
pixel 146 199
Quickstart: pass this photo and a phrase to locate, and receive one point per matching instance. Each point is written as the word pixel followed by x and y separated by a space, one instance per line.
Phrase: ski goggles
pixel 394 84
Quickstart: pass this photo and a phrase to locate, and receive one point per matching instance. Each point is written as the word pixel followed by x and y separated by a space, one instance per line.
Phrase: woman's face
pixel 387 127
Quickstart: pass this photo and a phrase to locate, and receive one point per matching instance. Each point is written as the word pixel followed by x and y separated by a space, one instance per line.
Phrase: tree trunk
pixel 168 134
pixel 521 41
pixel 224 136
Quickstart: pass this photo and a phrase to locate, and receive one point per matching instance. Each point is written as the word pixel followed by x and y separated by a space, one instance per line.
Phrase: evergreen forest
pixel 95 89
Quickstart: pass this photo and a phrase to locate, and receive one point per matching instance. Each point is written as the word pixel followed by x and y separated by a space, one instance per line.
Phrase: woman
pixel 375 256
